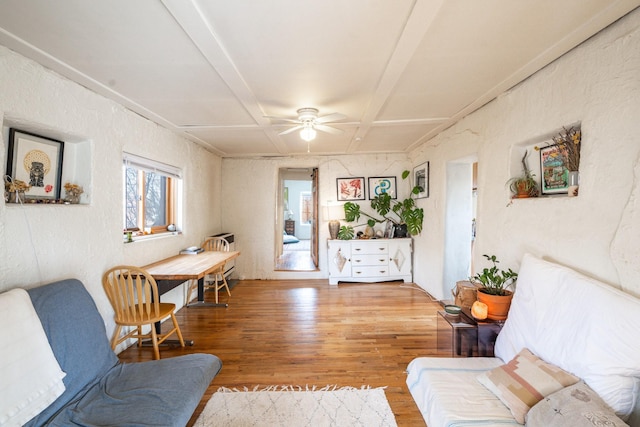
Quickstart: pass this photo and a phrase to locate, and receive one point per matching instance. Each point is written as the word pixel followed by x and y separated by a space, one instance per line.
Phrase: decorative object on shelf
pixel 334 213
pixel 14 190
pixel 404 214
pixel 465 293
pixel 574 183
pixel 36 160
pixel 379 185
pixel 559 160
pixel 350 189
pixel 369 232
pixel 72 193
pixel 421 180
pixel 524 185
pixel 493 291
pixel 479 310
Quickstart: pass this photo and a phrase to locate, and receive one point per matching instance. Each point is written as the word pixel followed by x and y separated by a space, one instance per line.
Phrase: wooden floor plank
pixel 305 332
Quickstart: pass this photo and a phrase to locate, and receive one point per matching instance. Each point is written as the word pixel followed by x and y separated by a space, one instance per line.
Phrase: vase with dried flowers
pixel 568 142
pixel 15 189
pixel 73 192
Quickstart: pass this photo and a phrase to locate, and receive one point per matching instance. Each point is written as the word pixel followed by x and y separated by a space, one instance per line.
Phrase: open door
pixel 314 223
pixel 297 215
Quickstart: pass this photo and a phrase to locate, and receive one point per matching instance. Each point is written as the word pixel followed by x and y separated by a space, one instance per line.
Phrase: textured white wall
pixel 43 243
pixel 597 84
pixel 249 208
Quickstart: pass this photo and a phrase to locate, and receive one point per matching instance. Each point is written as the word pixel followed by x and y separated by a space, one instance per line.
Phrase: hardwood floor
pixel 295 261
pixel 305 332
pixel 296 257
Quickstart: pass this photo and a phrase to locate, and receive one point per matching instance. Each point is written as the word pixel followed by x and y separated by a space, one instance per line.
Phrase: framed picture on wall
pixel 350 189
pixel 553 170
pixel 421 179
pixel 37 161
pixel 380 185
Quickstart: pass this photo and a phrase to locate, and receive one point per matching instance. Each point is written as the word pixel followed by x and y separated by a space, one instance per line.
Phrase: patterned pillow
pixel 573 406
pixel 525 381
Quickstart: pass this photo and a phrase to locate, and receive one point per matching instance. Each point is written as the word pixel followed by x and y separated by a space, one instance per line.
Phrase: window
pixel 150 195
pixel 306 208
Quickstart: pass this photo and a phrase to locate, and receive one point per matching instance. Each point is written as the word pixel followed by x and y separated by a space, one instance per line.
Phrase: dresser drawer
pixel 377 271
pixel 369 247
pixel 369 260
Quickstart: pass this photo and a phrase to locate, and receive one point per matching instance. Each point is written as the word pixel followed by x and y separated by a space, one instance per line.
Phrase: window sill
pixel 154 236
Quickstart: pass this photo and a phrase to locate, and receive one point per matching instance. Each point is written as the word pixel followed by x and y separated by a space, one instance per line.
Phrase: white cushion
pixel 579 324
pixel 31 375
pixel 448 394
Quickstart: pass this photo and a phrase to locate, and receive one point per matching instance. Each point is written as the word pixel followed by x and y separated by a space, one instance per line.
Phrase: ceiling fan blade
pixel 282 119
pixel 293 129
pixel 329 129
pixel 334 117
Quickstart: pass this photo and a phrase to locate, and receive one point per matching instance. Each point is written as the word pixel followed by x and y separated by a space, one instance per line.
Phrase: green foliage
pixel 398 212
pixel 494 280
pixel 345 232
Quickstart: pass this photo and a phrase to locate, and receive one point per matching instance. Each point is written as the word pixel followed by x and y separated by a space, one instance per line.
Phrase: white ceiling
pixel 400 70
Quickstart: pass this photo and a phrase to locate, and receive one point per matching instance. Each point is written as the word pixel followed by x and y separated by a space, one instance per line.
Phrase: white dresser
pixel 373 260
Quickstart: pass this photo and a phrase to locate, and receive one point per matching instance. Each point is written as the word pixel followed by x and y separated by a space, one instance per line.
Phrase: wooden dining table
pixel 175 270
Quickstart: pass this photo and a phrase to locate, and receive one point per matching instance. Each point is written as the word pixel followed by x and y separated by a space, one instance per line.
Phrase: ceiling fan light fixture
pixel 308 133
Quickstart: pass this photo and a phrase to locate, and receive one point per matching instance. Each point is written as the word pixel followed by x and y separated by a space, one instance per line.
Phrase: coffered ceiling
pixel 399 70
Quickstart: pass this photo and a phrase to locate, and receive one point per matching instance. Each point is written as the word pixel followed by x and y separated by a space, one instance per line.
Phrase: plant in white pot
pixel 493 290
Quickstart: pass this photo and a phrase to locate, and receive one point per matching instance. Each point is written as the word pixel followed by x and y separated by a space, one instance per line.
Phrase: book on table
pixel 192 250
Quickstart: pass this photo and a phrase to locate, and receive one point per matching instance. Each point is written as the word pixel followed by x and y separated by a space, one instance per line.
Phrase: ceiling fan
pixel 308 123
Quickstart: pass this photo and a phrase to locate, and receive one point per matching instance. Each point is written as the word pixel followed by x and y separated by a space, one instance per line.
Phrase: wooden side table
pixel 457 335
pixel 463 336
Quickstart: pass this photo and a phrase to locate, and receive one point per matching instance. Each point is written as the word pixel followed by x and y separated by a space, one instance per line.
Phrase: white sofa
pixel 570 321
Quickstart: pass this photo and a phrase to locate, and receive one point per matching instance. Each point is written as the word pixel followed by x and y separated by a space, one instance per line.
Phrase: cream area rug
pixel 289 406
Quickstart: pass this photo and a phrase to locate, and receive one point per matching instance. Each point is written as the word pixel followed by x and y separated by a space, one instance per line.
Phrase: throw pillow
pixel 525 381
pixel 573 406
pixel 31 375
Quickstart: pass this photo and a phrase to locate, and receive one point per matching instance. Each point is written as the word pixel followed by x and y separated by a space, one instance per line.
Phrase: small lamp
pixel 479 310
pixel 335 212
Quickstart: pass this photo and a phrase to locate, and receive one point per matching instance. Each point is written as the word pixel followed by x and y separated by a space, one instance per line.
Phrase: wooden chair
pixel 216 280
pixel 133 293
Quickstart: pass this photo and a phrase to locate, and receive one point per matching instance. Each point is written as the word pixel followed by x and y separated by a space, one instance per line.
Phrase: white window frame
pixel 146 165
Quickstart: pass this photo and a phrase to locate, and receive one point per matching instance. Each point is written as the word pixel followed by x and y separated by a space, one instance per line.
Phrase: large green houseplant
pixel 401 213
pixel 493 283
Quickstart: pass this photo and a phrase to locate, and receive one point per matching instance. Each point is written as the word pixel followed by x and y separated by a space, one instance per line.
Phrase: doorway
pixel 460 219
pixel 297 230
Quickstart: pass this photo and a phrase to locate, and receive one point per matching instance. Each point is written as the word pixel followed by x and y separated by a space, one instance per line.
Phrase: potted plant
pixel 493 283
pixel 524 185
pixel 14 190
pixel 404 214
